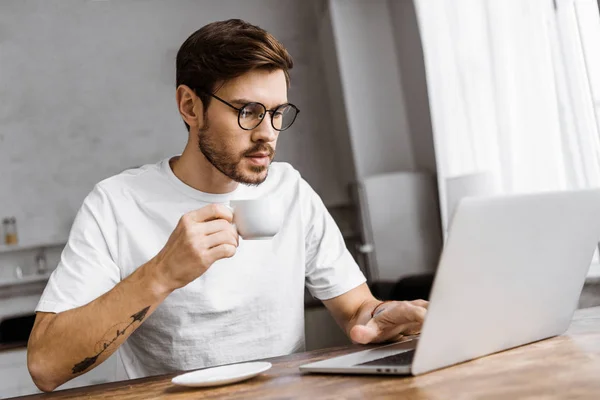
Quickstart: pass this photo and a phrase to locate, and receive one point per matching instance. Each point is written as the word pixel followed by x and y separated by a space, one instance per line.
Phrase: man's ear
pixel 190 106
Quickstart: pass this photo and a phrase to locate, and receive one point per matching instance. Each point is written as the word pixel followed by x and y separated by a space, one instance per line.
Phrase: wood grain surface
pixel 563 367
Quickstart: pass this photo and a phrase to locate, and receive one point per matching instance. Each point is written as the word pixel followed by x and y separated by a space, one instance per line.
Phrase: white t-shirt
pixel 247 307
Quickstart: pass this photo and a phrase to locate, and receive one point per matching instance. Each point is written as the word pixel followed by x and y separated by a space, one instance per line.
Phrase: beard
pixel 230 164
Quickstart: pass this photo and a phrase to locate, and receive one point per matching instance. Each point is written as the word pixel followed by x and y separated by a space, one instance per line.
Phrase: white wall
pixel 377 86
pixel 337 101
pixel 87 90
pixel 371 85
pixel 379 104
pixel 409 53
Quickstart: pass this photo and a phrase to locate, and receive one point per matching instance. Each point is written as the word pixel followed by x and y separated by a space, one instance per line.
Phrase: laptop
pixel 510 273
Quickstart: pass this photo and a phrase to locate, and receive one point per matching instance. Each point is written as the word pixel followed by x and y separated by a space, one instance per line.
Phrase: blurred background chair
pixel 401 233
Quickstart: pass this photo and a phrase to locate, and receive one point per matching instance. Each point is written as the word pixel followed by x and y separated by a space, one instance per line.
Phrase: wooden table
pixel 567 366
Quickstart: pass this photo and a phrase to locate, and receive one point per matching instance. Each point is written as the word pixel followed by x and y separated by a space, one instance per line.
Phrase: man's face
pixel 242 155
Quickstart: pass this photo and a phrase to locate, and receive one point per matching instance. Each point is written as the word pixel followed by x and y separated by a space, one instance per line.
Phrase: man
pixel 153 264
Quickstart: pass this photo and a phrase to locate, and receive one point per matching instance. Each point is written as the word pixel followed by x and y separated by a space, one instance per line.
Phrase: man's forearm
pixel 65 345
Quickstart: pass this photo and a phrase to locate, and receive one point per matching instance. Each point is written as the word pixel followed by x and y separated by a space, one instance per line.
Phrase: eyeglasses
pixel 252 114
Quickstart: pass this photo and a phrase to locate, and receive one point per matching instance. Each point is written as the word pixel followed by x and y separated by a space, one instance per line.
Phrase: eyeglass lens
pixel 251 115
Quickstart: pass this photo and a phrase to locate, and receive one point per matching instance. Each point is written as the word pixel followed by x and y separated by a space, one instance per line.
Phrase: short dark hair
pixel 224 50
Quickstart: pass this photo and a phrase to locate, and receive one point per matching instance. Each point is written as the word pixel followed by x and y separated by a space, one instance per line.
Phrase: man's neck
pixel 193 169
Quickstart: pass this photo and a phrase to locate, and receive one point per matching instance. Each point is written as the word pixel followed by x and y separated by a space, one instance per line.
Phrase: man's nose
pixel 265 131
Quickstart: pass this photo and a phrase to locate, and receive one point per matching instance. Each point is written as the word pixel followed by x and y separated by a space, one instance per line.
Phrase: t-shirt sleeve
pixel 330 269
pixel 87 268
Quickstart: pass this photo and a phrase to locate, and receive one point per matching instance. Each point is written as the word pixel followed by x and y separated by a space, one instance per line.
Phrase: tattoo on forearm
pixel 89 361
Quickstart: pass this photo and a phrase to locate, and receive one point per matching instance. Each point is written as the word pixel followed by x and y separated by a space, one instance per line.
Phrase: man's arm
pixel 392 320
pixel 65 345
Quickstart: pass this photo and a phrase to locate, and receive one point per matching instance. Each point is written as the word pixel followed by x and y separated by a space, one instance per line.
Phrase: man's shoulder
pixel 129 180
pixel 132 176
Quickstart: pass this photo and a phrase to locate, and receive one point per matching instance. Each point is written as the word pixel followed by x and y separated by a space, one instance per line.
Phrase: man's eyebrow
pixel 243 102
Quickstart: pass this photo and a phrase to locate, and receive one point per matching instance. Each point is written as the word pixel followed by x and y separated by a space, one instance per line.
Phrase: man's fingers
pixel 221 251
pixel 221 237
pixel 412 329
pixel 208 228
pixel 364 334
pixel 420 303
pixel 395 320
pixel 372 332
pixel 400 313
pixel 399 337
pixel 210 213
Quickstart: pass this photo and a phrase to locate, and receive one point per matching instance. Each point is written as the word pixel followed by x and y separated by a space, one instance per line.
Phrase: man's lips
pixel 259 158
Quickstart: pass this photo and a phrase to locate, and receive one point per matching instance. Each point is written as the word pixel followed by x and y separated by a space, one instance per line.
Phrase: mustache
pixel 262 148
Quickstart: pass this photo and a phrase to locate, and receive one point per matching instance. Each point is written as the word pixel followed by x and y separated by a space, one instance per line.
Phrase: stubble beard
pixel 231 168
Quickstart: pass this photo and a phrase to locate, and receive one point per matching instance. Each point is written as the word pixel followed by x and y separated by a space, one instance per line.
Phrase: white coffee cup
pixel 257 219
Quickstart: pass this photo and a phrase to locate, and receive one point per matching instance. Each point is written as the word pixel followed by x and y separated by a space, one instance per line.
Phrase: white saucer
pixel 221 375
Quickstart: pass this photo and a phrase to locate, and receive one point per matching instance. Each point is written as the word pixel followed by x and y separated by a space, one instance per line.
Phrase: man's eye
pixel 246 114
pixel 252 111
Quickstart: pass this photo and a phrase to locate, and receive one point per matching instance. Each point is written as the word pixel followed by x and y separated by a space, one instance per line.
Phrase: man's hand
pixel 201 237
pixel 391 321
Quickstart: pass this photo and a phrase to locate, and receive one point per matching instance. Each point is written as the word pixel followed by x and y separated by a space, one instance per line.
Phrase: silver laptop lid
pixel 511 273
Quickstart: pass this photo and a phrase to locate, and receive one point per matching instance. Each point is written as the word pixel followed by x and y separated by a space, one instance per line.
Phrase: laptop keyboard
pixel 404 358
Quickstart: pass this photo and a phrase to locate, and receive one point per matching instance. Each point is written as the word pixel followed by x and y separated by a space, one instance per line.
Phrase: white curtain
pixel 512 92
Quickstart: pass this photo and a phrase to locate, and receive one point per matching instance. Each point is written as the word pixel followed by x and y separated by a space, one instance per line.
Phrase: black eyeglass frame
pixel 239 110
